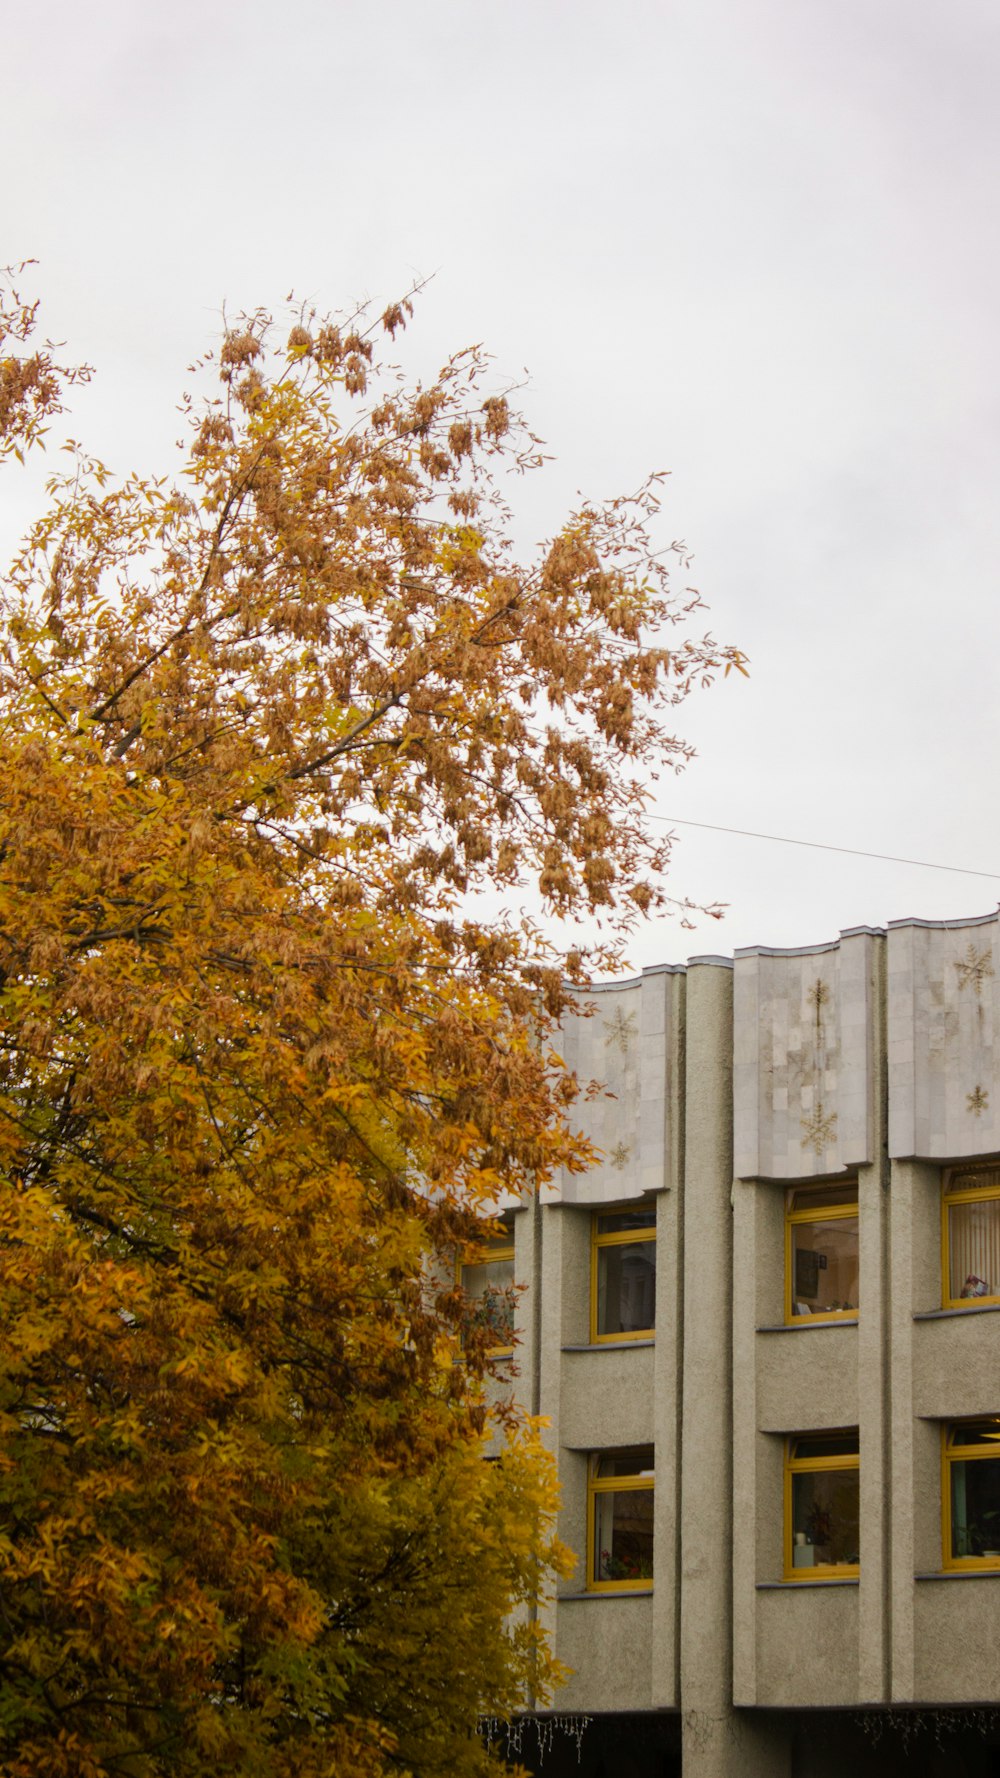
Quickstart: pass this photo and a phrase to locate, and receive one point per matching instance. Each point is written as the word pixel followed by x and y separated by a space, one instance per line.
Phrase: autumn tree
pixel 267 727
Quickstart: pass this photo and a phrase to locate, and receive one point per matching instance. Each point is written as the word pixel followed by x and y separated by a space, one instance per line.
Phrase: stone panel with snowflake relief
pixel 944 1058
pixel 626 1047
pixel 803 1068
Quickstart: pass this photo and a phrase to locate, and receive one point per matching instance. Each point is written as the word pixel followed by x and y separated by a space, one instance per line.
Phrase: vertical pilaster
pixel 746 1215
pixel 546 1339
pixel 874 1399
pixel 903 1546
pixel 706 1454
pixel 718 1741
pixel 666 1615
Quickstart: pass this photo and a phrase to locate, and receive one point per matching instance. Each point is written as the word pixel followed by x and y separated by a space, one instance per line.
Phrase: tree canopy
pixel 266 726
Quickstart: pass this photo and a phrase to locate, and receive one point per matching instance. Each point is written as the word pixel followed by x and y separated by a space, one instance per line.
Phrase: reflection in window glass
pixel 489 1288
pixel 972 1451
pixel 822 1251
pixel 624 1287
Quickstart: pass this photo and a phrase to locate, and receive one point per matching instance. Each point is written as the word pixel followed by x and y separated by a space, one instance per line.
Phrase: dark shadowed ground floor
pixel 804 1744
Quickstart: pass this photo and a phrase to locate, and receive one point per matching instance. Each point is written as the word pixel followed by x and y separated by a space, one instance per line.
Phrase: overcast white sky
pixel 751 241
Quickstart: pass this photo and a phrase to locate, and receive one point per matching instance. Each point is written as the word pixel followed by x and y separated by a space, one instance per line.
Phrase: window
pixel 623 1274
pixel 821 1505
pixel 488 1283
pixel 970 1236
pixel 821 1251
pixel 970 1494
pixel 620 1519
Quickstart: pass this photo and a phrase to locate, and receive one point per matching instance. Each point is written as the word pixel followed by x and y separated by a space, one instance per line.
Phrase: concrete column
pixel 667 1389
pixel 747 1205
pixel 874 1410
pixel 718 1741
pixel 546 1346
pixel 903 1544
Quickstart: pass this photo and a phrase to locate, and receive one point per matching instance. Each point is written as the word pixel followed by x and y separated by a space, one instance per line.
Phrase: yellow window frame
pixel 621 1238
pixel 497 1247
pixel 597 1485
pixel 802 1466
pixel 966 1194
pixel 824 1213
pixel 954 1452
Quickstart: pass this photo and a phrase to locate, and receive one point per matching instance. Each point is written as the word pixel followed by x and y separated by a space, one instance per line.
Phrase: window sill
pixel 609 1346
pixel 607 1593
pixel 960 1574
pixel 806 1323
pixel 795 1586
pixel 973 1308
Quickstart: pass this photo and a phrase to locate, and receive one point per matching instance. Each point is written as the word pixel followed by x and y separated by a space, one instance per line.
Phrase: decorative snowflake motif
pixel 975 967
pixel 620 1030
pixel 818 994
pixel 819 1129
pixel 977 1101
pixel 619 1155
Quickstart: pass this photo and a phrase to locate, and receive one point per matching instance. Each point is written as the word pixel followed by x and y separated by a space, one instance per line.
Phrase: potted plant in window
pixel 984 1535
pixel 818 1525
pixel 625 1567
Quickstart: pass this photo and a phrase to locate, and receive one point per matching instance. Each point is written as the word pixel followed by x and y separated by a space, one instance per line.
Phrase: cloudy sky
pixel 753 242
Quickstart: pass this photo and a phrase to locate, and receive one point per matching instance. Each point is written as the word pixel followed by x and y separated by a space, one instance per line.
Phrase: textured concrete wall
pixel 956 1641
pixel 610 1388
pixel 807 1379
pixel 807 1646
pixel 608 1643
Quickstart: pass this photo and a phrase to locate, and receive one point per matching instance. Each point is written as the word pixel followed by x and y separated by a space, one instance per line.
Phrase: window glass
pixel 620 1531
pixel 822 1197
pixel 623 1536
pixel 620 1463
pixel 623 1287
pixel 972 1494
pixel 822 1252
pixel 972 1235
pixel 975 1508
pixel 974 1179
pixel 488 1284
pixel 825 1444
pixel 622 1221
pixel 626 1288
pixel 966 1433
pixel 821 1504
pixel 825 1519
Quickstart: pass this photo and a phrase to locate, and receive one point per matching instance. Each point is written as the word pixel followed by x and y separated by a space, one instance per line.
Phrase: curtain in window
pixel 974 1248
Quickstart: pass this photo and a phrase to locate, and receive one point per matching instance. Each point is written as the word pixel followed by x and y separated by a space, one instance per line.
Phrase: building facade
pixel 765 1333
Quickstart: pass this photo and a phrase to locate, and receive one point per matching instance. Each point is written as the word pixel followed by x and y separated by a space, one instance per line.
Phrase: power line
pixel 781 839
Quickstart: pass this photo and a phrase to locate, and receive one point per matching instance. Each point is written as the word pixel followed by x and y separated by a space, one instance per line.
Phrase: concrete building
pixel 766 1334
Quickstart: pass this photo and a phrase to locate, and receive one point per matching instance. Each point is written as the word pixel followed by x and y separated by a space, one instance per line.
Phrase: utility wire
pixel 781 839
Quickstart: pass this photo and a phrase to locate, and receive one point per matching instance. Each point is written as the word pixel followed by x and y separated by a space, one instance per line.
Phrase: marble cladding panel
pixel 627 1046
pixel 944 1057
pixel 803 1059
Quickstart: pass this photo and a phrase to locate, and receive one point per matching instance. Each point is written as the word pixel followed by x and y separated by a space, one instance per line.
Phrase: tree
pixel 262 1072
